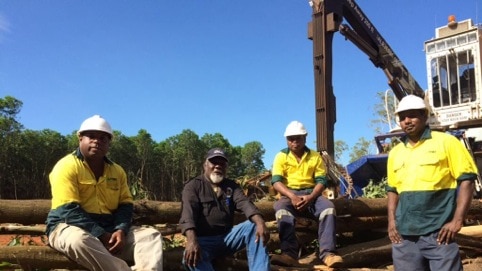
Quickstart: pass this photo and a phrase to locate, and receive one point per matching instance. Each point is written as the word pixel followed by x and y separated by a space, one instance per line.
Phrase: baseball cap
pixel 216 152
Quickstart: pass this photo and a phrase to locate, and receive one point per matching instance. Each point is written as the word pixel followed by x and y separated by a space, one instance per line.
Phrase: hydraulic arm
pixel 327 18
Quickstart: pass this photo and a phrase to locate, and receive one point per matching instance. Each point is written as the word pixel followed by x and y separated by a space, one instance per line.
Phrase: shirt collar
pixel 427 134
pixel 80 156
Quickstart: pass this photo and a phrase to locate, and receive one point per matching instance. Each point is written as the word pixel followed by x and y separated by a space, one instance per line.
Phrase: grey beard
pixel 216 178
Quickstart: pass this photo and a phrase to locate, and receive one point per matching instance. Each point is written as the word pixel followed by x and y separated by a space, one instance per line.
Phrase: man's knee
pixel 284 215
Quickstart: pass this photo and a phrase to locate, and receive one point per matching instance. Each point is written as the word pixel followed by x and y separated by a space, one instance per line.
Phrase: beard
pixel 216 177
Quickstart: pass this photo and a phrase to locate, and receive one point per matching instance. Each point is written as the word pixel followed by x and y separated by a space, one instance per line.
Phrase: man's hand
pixel 303 202
pixel 114 242
pixel 393 233
pixel 192 251
pixel 261 229
pixel 448 232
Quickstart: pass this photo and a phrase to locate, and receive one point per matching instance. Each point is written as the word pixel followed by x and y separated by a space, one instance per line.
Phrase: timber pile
pixel 361 225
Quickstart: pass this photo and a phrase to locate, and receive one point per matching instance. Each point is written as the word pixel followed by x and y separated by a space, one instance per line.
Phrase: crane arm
pixel 327 19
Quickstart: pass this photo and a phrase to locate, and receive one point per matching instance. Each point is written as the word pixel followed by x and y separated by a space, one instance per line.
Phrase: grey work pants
pixel 143 246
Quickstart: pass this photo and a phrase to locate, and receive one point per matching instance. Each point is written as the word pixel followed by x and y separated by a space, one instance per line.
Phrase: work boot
pixel 333 260
pixel 284 260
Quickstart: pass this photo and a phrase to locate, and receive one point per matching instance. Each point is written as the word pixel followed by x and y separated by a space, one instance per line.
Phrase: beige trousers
pixel 143 246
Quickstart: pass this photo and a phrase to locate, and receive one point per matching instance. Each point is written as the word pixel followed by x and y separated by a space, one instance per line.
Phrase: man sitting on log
pixel 92 208
pixel 207 216
pixel 299 175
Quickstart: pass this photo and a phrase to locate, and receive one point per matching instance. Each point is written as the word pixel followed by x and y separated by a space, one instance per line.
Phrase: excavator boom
pixel 454 94
pixel 327 18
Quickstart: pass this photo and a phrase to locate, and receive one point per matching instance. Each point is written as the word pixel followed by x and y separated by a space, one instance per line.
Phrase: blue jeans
pixel 423 253
pixel 322 210
pixel 241 236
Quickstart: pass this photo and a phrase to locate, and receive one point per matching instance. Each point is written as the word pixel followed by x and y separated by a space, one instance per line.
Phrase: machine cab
pixel 454 75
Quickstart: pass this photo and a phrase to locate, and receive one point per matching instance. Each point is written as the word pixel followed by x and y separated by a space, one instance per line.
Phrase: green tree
pixel 384 110
pixel 182 159
pixel 154 170
pixel 144 150
pixel 361 148
pixel 10 130
pixel 124 151
pixel 340 148
pixel 252 158
pixel 72 141
pixel 36 154
pixel 9 108
pixel 384 122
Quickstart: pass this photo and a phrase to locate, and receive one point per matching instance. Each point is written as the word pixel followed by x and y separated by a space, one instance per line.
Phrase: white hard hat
pixel 295 128
pixel 410 102
pixel 95 123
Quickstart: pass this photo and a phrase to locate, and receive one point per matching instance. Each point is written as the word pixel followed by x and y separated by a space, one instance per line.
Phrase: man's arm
pixel 125 209
pixel 192 251
pixel 190 209
pixel 392 225
pixel 464 198
pixel 189 213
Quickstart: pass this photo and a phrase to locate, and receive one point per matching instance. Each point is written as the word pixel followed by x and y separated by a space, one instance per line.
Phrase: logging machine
pixel 454 92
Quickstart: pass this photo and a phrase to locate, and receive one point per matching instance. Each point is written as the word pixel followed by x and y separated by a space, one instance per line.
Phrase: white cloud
pixel 4 26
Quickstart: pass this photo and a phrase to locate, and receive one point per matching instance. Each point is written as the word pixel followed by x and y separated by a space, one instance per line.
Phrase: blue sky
pixel 239 68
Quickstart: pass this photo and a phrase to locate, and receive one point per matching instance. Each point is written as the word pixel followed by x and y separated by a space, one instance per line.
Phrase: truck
pixel 454 92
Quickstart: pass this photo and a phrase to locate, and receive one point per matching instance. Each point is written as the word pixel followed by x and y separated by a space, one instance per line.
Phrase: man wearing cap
pixel 91 214
pixel 430 185
pixel 299 175
pixel 207 217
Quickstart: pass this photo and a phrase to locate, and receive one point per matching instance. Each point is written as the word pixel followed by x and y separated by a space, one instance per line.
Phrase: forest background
pixel 155 170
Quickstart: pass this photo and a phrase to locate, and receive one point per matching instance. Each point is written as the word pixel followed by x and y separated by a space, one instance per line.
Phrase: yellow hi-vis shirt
pixel 436 162
pixel 303 175
pixel 72 180
pixel 426 176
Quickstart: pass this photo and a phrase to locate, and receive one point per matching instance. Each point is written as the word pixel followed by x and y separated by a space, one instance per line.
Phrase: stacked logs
pixel 354 216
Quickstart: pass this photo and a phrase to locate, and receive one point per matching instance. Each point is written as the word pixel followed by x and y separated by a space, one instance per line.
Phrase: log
pixel 37 230
pixel 28 212
pixel 369 211
pixel 31 257
pixel 42 257
pixel 368 254
pixel 373 254
pixel 474 231
pixel 360 207
pixel 24 230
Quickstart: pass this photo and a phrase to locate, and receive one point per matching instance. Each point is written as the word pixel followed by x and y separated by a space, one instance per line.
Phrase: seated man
pixel 90 219
pixel 208 205
pixel 299 176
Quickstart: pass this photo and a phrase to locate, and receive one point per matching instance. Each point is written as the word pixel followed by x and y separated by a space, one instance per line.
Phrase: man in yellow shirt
pixel 299 175
pixel 92 207
pixel 430 186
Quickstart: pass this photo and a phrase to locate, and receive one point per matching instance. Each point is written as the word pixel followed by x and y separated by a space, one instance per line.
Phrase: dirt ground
pixel 6 239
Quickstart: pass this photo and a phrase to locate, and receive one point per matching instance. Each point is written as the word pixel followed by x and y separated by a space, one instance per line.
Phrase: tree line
pixel 155 170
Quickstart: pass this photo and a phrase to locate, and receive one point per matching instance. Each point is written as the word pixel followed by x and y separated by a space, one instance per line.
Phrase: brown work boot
pixel 333 260
pixel 284 260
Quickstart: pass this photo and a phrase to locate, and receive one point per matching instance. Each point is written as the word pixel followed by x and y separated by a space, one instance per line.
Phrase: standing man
pixel 299 175
pixel 208 205
pixel 90 219
pixel 430 185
